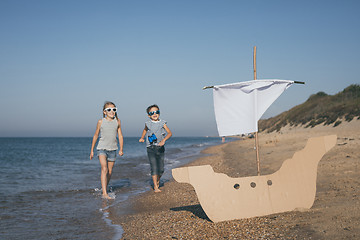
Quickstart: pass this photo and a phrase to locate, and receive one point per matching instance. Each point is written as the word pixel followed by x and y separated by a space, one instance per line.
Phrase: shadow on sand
pixel 195 209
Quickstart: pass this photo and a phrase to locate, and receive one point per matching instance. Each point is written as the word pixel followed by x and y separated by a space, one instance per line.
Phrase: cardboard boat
pixel 292 187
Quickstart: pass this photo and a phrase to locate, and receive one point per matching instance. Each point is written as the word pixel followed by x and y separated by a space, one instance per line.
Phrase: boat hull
pixel 292 187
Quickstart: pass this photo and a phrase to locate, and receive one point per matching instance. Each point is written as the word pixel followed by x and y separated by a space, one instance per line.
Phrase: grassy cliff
pixel 320 108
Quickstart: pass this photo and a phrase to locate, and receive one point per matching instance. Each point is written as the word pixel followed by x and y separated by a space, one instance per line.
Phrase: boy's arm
pixel 168 135
pixel 143 134
pixel 121 138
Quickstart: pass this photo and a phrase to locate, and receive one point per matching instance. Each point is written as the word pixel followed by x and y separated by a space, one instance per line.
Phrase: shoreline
pixel 175 213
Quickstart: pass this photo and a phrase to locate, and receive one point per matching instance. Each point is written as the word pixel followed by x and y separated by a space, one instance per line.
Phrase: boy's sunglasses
pixel 109 109
pixel 153 112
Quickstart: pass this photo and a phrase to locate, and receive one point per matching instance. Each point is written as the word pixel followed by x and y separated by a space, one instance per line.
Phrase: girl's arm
pixel 143 134
pixel 168 135
pixel 96 135
pixel 121 138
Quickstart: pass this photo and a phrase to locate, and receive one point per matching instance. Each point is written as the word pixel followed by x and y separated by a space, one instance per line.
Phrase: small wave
pixel 172 161
pixel 173 150
pixel 117 228
pixel 198 145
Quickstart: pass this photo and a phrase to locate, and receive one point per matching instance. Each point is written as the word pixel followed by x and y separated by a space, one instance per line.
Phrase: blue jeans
pixel 156 157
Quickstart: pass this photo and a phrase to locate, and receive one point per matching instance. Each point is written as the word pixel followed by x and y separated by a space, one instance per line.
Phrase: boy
pixel 157 133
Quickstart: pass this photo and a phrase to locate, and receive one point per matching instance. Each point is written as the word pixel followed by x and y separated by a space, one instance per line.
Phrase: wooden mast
pixel 256 133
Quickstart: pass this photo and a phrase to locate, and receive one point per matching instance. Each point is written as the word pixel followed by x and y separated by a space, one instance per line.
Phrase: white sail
pixel 239 106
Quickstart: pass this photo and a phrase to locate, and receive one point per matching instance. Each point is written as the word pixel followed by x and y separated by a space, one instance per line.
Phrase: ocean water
pixel 49 189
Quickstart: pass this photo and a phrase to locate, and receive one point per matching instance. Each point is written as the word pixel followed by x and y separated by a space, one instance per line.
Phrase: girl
pixel 108 127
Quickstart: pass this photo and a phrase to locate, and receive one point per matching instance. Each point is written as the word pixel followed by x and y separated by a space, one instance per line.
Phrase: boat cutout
pixel 290 188
pixel 238 107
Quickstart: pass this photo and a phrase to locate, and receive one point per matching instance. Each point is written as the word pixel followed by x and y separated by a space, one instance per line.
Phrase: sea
pixel 50 189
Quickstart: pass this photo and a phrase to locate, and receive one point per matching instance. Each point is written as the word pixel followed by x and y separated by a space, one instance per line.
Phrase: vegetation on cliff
pixel 320 108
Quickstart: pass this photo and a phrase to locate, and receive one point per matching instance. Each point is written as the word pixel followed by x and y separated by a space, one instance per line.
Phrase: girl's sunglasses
pixel 153 112
pixel 109 109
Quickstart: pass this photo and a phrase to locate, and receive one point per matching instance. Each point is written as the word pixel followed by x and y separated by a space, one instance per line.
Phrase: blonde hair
pixel 107 103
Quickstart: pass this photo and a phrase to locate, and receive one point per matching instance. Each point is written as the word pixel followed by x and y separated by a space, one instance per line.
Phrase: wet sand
pixel 175 213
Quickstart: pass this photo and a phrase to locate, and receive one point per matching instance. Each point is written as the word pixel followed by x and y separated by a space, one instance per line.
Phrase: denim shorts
pixel 156 157
pixel 110 155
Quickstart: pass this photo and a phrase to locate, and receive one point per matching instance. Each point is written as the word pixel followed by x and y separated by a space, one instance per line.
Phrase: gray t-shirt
pixel 155 133
pixel 108 131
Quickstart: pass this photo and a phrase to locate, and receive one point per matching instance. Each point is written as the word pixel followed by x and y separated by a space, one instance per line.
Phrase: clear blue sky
pixel 60 60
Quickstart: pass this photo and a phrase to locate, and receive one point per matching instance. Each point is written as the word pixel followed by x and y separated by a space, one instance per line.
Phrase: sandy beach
pixel 175 213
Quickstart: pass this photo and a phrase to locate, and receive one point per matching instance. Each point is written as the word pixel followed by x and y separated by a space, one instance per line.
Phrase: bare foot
pixel 157 190
pixel 106 196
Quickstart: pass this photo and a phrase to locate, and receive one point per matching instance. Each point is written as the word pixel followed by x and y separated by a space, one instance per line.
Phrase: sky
pixel 61 60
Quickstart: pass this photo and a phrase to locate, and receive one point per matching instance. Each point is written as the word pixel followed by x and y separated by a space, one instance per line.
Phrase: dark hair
pixel 107 103
pixel 150 107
